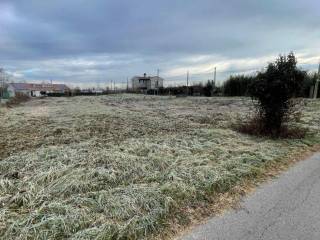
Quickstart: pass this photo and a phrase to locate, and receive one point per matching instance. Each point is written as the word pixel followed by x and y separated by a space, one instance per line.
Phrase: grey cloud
pixel 147 34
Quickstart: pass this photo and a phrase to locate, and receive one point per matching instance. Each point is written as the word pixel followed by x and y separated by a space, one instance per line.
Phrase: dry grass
pixel 125 166
pixel 17 99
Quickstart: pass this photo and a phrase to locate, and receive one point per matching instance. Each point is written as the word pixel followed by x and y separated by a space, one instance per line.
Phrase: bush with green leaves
pixel 275 90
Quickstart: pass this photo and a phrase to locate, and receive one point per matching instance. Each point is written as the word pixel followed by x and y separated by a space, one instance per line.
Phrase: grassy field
pixel 125 166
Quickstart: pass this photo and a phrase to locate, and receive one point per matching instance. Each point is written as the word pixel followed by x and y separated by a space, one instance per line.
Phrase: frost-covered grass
pixel 124 166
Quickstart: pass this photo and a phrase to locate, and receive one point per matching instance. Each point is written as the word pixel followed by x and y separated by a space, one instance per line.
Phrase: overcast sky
pixel 81 42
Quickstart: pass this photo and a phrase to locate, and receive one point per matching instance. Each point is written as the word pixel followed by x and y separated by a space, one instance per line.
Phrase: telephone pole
pixel 316 87
pixel 157 87
pixel 127 84
pixel 188 83
pixel 214 81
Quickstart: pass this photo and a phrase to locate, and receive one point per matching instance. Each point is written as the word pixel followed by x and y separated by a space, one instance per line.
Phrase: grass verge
pixel 222 202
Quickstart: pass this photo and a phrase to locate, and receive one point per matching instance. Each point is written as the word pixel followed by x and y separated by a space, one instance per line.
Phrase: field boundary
pixel 223 202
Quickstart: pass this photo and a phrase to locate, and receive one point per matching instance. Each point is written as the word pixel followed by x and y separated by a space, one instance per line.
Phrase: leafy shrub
pixel 275 91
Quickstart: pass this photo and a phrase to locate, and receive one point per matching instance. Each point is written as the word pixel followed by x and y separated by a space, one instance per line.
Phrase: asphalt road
pixel 286 208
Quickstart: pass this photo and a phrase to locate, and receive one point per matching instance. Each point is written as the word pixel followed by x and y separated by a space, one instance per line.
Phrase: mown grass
pixel 125 166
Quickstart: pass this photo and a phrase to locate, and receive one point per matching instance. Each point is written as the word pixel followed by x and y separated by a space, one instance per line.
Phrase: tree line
pixel 239 85
pixel 236 85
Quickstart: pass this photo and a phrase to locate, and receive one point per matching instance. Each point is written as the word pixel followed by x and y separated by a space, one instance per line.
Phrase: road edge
pixel 222 202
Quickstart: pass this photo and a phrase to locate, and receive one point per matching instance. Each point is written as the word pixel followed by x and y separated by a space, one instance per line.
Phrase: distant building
pixel 146 83
pixel 36 90
pixel 90 91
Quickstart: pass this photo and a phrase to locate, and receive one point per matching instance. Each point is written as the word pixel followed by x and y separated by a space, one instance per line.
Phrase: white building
pixel 146 83
pixel 36 90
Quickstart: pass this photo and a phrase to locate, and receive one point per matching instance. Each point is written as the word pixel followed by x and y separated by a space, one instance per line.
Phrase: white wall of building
pixel 148 83
pixel 156 82
pixel 11 91
pixel 35 94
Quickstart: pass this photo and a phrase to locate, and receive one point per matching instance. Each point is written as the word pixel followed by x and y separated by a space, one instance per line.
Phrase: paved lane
pixel 287 208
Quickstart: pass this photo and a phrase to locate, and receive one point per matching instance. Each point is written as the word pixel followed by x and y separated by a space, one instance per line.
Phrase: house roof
pixel 39 87
pixel 147 78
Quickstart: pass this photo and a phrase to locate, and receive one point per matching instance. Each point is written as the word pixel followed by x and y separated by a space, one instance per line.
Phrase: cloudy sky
pixel 90 42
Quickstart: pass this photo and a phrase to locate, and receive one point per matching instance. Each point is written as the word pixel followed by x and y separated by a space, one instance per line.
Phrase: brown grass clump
pixel 256 127
pixel 257 124
pixel 17 99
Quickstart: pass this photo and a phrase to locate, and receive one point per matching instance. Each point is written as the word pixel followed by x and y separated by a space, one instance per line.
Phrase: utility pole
pixel 188 83
pixel 316 87
pixel 214 81
pixel 158 73
pixel 127 84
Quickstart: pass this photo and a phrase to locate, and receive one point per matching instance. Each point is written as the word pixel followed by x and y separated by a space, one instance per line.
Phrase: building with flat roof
pixel 145 83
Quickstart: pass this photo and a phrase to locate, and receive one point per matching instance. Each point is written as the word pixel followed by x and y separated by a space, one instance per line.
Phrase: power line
pixel 208 73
